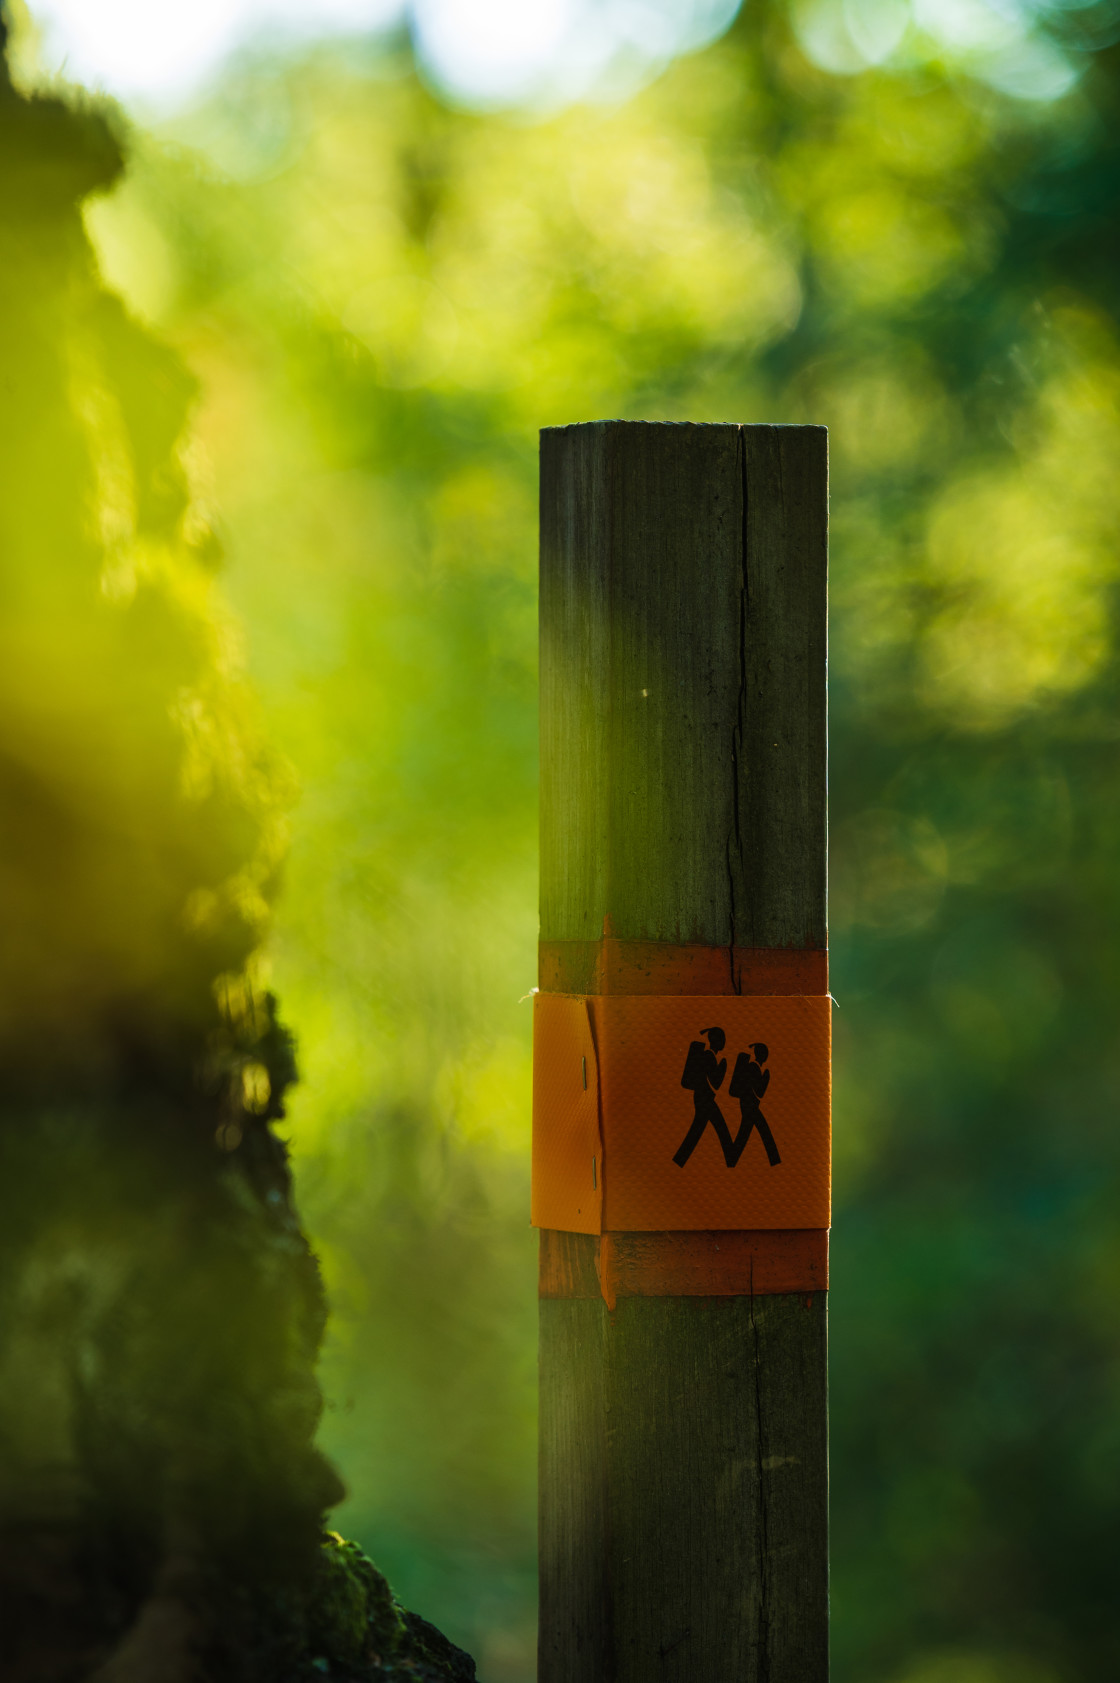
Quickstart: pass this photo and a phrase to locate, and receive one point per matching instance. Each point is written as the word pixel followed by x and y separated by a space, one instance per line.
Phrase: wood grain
pixel 683 660
pixel 683 1484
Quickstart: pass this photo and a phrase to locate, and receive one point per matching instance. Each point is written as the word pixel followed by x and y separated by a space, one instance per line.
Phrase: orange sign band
pixel 657 1113
pixel 680 1263
pixel 614 1265
pixel 611 965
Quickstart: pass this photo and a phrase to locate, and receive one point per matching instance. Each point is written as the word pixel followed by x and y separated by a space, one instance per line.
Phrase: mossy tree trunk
pixel 161 1497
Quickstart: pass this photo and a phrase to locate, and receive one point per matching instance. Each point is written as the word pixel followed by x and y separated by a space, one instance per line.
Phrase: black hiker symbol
pixel 704 1074
pixel 748 1083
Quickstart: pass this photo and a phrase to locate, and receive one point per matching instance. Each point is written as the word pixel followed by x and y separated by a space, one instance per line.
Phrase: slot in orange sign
pixel 661 1113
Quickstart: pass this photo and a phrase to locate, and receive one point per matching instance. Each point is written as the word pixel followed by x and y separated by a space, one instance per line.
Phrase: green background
pixel 384 296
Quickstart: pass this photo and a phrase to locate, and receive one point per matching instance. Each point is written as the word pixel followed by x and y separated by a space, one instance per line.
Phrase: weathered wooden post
pixel 683 1451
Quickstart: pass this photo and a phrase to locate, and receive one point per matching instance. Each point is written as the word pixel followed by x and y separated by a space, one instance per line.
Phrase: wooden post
pixel 683 1448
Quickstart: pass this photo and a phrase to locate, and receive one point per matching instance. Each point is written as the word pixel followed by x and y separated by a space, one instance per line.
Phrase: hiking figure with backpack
pixel 749 1082
pixel 703 1075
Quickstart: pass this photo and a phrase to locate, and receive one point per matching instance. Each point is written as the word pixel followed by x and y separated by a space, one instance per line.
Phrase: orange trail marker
pixel 666 1161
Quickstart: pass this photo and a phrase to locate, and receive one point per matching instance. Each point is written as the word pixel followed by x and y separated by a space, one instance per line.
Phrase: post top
pixel 696 426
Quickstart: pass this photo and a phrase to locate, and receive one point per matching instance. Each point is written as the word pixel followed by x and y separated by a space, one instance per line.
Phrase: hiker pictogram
pixel 749 1082
pixel 703 1075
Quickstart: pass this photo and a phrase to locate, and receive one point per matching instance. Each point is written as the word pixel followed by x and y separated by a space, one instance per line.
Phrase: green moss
pixel 354 1615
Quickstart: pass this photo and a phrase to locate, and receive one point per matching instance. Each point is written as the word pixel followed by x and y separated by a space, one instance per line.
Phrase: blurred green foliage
pixel 383 298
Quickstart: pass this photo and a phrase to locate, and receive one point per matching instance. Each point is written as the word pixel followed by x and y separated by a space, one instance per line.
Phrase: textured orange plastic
pixel 567 1184
pixel 700 1112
